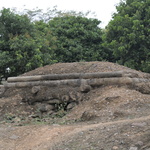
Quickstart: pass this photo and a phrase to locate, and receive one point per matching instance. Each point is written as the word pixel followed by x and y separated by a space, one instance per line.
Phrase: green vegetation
pixel 128 34
pixel 32 39
pixel 78 38
pixel 23 44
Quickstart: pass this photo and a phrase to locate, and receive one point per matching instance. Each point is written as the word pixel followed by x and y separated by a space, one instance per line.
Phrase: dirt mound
pixel 99 117
pixel 81 67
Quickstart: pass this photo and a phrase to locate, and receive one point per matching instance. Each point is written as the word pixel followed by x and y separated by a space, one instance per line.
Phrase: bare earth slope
pixel 80 67
pixel 109 118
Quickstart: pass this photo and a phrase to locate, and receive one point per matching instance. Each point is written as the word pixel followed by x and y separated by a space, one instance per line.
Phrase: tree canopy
pixel 128 34
pixel 78 38
pixel 24 45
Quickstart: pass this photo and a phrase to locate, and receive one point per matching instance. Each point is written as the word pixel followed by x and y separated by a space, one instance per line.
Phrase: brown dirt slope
pixel 108 117
pixel 81 67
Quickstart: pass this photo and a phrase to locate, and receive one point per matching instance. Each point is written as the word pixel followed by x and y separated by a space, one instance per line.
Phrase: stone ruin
pixel 67 90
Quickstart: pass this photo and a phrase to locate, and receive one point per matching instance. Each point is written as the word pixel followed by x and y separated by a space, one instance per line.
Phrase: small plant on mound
pixel 9 117
pixel 61 109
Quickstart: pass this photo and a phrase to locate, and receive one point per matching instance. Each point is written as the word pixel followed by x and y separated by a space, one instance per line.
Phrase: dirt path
pixel 35 137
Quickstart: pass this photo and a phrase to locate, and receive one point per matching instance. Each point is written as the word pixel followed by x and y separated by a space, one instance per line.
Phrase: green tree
pixel 78 38
pixel 128 34
pixel 25 45
pixel 11 25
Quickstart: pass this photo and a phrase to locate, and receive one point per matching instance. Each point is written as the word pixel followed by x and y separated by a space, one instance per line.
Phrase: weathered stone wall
pixel 68 89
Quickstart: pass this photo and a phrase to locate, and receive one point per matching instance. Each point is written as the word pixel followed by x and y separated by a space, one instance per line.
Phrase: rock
pixel 88 115
pixel 71 105
pixel 143 87
pixel 115 148
pixel 18 97
pixel 50 107
pixel 65 98
pixel 109 99
pixel 35 89
pixel 79 97
pixel 56 125
pixel 42 108
pixel 45 107
pixel 14 137
pixel 139 143
pixel 73 95
pixel 54 101
pixel 139 124
pixel 133 148
pixel 85 88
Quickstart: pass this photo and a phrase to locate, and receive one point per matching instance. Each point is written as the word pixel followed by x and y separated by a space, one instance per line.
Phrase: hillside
pixel 105 117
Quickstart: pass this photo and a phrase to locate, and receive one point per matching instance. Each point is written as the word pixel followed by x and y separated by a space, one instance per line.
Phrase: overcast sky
pixel 102 8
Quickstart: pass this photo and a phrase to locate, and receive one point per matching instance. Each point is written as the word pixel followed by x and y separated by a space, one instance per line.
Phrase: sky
pixel 103 8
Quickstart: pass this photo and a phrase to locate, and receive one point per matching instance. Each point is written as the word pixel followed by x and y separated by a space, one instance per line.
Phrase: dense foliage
pixel 32 39
pixel 78 38
pixel 24 45
pixel 128 34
